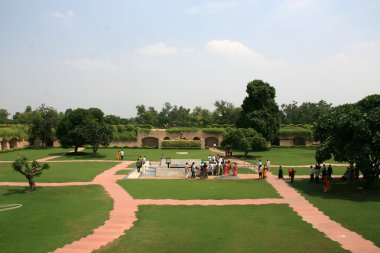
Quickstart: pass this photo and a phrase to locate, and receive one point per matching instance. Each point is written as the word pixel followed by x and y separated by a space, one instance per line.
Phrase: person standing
pixel 292 174
pixel 312 172
pixel 260 171
pixel 186 170
pixel 329 171
pixel 280 173
pixel 144 160
pixel 235 169
pixel 265 172
pixel 193 170
pixel 317 172
pixel 122 154
pixel 118 155
pixel 268 165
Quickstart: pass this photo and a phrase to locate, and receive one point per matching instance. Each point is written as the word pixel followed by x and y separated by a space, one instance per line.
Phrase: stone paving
pixel 123 215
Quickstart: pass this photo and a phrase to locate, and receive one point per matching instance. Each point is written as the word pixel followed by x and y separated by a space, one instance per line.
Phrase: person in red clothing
pixel 292 173
pixel 235 169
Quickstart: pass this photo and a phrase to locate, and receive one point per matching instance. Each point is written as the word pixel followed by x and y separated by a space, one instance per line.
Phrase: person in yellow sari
pixel 265 170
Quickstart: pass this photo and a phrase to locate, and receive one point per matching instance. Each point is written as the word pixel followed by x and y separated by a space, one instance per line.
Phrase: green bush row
pixel 18 131
pixel 181 144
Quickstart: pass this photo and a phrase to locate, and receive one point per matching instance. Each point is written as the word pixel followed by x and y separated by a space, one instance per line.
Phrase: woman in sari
pixel 235 170
pixel 265 170
pixel 225 169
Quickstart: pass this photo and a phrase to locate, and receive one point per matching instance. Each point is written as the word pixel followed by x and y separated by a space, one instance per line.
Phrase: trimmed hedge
pixel 18 131
pixel 296 131
pixel 168 144
pixel 125 132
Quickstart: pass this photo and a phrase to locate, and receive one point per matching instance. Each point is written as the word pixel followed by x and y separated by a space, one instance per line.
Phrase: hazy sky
pixel 115 54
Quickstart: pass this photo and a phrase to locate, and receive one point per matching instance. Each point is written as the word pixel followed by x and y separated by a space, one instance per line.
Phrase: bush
pixel 214 130
pixel 186 144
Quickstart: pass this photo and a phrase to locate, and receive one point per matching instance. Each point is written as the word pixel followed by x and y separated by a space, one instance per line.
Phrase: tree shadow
pixel 16 191
pixel 344 190
pixel 84 155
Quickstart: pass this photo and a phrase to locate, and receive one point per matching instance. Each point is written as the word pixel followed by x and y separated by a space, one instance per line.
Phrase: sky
pixel 117 54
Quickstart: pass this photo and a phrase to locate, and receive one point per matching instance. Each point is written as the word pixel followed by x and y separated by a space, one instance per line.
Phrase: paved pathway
pixel 125 207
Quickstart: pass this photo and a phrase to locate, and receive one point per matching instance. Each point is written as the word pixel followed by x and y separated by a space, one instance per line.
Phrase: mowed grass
pixel 259 228
pixel 348 203
pixel 33 153
pixel 306 171
pixel 199 189
pixel 59 172
pixel 282 156
pixel 50 217
pixel 131 154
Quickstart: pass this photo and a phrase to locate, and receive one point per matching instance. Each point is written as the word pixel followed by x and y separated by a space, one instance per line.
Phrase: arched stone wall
pixel 210 141
pixel 299 141
pixel 150 142
pixel 167 138
pixel 13 143
pixel 196 139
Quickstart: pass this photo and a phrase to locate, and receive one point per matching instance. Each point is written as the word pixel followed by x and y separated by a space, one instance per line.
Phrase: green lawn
pixel 243 170
pixel 264 228
pixel 132 154
pixel 348 204
pixel 59 172
pixel 50 217
pixel 33 153
pixel 282 156
pixel 199 189
pixel 306 171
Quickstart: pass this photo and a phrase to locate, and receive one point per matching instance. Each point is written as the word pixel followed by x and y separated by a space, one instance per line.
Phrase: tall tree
pixel 306 113
pixel 200 117
pixel 149 116
pixel 23 117
pixel 351 133
pixel 225 113
pixel 245 139
pixel 81 126
pixel 43 125
pixel 3 116
pixel 30 171
pixel 259 110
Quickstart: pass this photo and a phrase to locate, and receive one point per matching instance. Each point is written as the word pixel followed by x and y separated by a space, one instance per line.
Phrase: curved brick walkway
pixel 125 207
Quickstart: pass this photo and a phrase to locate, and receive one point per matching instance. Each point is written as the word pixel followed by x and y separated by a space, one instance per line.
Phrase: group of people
pixel 120 155
pixel 263 169
pixel 317 170
pixel 216 166
pixel 140 162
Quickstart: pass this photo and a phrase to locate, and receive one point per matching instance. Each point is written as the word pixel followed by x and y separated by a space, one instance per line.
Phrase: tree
pixel 243 139
pixel 149 117
pixel 259 110
pixel 225 113
pixel 306 113
pixel 44 122
pixel 21 165
pixel 200 117
pixel 3 116
pixel 351 133
pixel 80 127
pixel 23 117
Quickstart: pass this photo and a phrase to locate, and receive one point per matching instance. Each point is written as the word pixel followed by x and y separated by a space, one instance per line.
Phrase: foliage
pixel 225 112
pixel 306 113
pixel 18 131
pixel 80 127
pixel 259 110
pixel 351 133
pixel 4 116
pixel 21 165
pixel 125 132
pixel 181 129
pixel 243 139
pixel 44 123
pixel 23 117
pixel 173 144
pixel 214 130
pixel 296 131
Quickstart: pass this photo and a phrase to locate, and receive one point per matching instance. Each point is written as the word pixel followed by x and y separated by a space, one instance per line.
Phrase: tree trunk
pixel 32 184
pixel 76 149
pixel 95 148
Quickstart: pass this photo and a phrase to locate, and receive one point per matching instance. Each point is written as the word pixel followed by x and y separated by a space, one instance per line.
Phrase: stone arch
pixel 167 138
pixel 150 142
pixel 210 141
pixel 4 144
pixel 196 139
pixel 275 142
pixel 299 141
pixel 13 143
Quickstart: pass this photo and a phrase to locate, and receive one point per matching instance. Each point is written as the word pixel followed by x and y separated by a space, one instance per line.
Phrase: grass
pixel 349 204
pixel 264 228
pixel 33 153
pixel 131 154
pixel 59 172
pixel 282 156
pixel 243 170
pixel 306 171
pixel 50 217
pixel 123 172
pixel 199 189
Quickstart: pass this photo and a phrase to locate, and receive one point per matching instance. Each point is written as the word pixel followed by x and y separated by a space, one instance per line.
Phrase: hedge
pixel 168 144
pixel 18 131
pixel 296 131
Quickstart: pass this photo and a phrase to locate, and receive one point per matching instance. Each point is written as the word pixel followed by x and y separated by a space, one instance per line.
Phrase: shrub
pixel 168 144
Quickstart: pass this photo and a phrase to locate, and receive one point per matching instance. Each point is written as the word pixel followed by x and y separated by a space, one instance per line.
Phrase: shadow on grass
pixel 84 155
pixel 16 191
pixel 351 191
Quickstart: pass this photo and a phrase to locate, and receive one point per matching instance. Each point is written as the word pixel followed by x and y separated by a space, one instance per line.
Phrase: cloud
pixel 212 7
pixel 161 48
pixel 62 15
pixel 89 64
pixel 229 47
